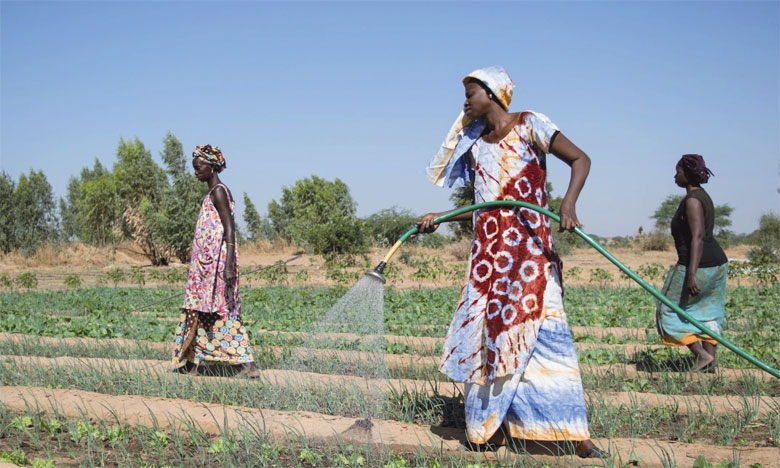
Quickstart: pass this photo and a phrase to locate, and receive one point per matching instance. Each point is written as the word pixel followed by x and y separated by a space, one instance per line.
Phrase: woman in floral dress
pixel 210 327
pixel 509 339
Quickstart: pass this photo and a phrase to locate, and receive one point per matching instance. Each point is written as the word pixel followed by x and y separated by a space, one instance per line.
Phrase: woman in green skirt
pixel 697 283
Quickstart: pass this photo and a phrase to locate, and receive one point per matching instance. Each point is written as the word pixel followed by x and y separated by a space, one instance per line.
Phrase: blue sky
pixel 366 92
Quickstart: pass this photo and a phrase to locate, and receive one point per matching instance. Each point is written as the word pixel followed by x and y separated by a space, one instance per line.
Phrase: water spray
pixel 376 273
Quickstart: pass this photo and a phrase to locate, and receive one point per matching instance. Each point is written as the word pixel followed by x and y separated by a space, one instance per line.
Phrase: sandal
pixel 248 373
pixel 594 452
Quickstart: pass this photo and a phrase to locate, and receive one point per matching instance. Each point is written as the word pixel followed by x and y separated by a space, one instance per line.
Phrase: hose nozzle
pixel 377 272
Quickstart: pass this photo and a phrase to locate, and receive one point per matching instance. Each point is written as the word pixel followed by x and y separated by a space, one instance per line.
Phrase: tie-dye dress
pixel 509 339
pixel 210 327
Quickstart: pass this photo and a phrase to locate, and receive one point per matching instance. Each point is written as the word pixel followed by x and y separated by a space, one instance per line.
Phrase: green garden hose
pixel 502 203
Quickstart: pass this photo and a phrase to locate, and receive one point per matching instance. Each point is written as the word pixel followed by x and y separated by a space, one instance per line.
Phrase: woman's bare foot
pixel 193 370
pixel 703 358
pixel 498 439
pixel 712 350
pixel 250 371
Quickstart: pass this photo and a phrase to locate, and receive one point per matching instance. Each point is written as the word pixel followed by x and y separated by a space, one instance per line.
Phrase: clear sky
pixel 367 91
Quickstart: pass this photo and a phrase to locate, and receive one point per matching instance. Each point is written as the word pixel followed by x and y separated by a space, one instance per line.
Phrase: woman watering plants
pixel 509 340
pixel 698 281
pixel 210 327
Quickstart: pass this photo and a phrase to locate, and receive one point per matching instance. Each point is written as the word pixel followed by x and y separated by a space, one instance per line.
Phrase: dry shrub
pixel 267 247
pixel 156 250
pixel 656 241
pixel 460 250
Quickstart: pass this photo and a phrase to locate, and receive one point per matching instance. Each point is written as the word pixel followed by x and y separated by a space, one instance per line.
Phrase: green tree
pixel 88 211
pixel 766 238
pixel 386 226
pixel 96 213
pixel 35 218
pixel 565 242
pixel 319 215
pixel 462 196
pixel 172 220
pixel 141 187
pixel 8 239
pixel 254 224
pixel 664 213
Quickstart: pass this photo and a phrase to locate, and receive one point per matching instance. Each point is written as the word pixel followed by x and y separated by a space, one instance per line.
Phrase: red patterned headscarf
pixel 694 168
pixel 210 154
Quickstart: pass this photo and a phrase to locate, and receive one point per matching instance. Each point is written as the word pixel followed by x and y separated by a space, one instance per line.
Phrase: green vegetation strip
pixel 102 313
pixel 698 421
pixel 613 377
pixel 761 406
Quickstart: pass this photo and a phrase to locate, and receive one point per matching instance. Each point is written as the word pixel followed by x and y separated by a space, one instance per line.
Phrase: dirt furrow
pixel 681 404
pixel 292 425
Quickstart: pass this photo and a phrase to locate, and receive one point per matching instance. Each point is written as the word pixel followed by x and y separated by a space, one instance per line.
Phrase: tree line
pixel 156 206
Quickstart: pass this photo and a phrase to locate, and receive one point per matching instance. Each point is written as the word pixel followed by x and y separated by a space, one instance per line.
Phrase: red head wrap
pixel 694 168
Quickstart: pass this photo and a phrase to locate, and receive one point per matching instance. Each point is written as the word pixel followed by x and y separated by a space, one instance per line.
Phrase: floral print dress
pixel 210 327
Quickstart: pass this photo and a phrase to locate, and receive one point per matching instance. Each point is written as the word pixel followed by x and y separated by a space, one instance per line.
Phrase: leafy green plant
pixel 220 446
pixel 301 277
pixel 72 281
pixel 5 281
pixel 115 275
pixel 429 267
pixel 601 276
pixel 275 275
pixel 27 280
pixel 17 457
pixel 651 271
pixel 574 273
pixel 52 425
pixel 310 457
pixel 43 463
pixel 337 271
pixel 137 276
pixel 22 422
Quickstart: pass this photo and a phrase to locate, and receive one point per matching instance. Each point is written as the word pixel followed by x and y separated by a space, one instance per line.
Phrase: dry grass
pixel 74 254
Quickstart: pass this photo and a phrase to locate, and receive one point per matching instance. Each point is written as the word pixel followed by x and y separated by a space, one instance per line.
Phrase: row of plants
pixel 46 441
pixel 702 423
pixel 298 308
pixel 662 366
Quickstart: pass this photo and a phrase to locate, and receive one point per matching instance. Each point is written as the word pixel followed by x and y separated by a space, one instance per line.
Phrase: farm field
pixel 84 379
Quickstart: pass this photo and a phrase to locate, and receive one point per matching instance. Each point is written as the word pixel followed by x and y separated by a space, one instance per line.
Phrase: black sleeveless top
pixel 712 255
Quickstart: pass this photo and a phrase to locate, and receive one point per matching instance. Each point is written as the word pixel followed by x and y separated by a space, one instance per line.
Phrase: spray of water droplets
pixel 349 340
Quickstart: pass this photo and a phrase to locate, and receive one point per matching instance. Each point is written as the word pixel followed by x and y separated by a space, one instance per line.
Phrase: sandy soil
pixel 684 404
pixel 283 425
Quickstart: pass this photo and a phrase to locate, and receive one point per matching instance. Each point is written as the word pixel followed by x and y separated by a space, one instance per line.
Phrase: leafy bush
pixel 5 281
pixel 651 271
pixel 137 276
pixel 386 226
pixel 115 275
pixel 601 276
pixel 657 241
pixel 766 238
pixel 574 272
pixel 27 280
pixel 319 215
pixel 72 281
pixel 337 271
pixel 434 240
pixel 565 242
